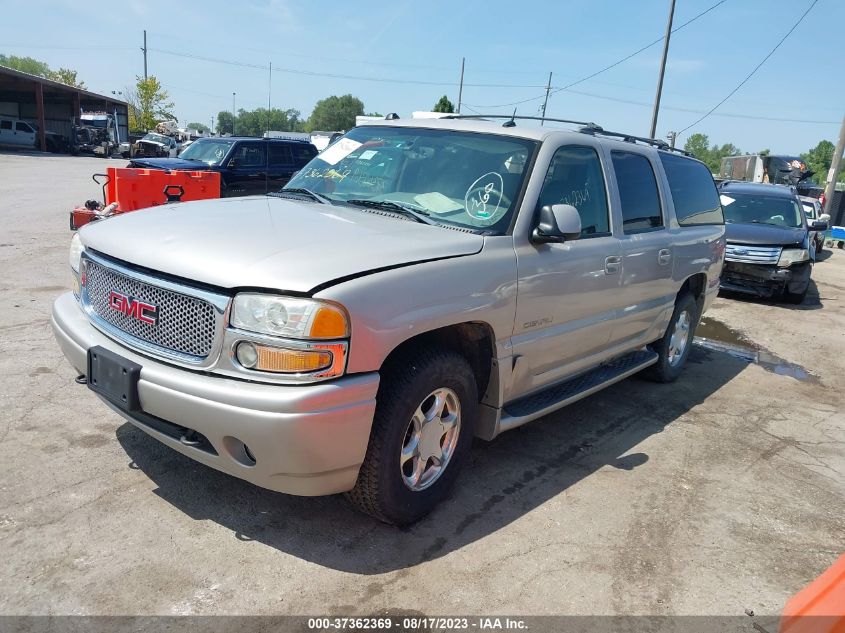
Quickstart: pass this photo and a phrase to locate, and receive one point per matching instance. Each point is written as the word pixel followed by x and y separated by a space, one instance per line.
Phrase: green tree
pixel 335 113
pixel 224 122
pixel 256 122
pixel 444 105
pixel 765 152
pixel 26 65
pixel 199 127
pixel 153 104
pixel 698 146
pixel 41 69
pixel 67 76
pixel 819 159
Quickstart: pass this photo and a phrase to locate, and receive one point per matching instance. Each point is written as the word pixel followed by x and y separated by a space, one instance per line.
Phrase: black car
pixel 768 251
pixel 247 165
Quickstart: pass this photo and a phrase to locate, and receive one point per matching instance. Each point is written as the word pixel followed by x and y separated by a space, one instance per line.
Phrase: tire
pixel 408 386
pixel 795 298
pixel 671 360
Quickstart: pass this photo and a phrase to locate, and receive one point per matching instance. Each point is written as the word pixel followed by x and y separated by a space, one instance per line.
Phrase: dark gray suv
pixel 769 252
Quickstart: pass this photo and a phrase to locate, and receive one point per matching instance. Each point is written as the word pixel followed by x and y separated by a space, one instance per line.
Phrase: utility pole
pixel 546 101
pixel 145 54
pixel 834 169
pixel 461 88
pixel 671 136
pixel 662 70
pixel 211 127
pixel 233 114
pixel 269 95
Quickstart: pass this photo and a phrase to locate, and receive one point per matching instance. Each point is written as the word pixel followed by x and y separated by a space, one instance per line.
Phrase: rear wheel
pixel 421 435
pixel 673 349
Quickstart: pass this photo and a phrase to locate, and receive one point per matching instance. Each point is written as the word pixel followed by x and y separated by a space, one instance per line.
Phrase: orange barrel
pixel 820 606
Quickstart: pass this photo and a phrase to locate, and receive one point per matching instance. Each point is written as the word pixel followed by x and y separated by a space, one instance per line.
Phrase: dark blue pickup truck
pixel 247 165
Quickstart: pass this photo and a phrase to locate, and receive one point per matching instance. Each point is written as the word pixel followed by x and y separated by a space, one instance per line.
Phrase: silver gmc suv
pixel 416 284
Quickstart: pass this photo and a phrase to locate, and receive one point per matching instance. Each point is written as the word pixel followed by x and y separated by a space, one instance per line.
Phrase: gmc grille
pixel 186 325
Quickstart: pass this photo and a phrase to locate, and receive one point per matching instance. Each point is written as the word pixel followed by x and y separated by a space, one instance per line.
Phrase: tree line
pixel 40 69
pixel 818 158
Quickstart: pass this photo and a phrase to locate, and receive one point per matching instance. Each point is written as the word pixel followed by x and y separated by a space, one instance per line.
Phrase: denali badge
pixel 133 308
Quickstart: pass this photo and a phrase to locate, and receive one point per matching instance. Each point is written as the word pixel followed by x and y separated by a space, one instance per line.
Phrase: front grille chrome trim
pixel 219 303
pixel 747 254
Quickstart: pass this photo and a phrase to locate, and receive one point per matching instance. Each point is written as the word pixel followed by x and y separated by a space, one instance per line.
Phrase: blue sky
pixel 506 43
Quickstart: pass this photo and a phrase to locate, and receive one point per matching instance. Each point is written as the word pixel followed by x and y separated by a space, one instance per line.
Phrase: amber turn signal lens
pixel 329 322
pixel 291 361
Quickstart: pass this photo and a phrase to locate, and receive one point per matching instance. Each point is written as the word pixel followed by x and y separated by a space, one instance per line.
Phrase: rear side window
pixel 637 191
pixel 279 154
pixel 5 125
pixel 303 152
pixel 575 177
pixel 693 191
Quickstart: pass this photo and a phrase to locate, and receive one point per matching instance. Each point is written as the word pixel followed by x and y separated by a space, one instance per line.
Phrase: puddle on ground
pixel 715 335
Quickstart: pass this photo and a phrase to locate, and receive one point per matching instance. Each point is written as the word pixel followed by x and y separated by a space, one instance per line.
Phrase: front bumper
pixel 306 440
pixel 764 280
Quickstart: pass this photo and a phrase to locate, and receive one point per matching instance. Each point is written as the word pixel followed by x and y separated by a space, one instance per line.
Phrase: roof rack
pixel 630 138
pixel 588 127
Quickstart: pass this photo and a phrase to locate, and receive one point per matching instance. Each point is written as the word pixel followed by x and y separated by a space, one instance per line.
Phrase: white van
pixel 16 133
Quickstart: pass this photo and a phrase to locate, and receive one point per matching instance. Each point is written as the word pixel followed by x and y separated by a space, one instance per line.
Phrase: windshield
pixel 757 209
pixel 208 151
pixel 459 178
pixel 94 122
pixel 156 138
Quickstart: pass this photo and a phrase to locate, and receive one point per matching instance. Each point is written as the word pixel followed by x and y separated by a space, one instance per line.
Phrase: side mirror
pixel 558 223
pixel 819 225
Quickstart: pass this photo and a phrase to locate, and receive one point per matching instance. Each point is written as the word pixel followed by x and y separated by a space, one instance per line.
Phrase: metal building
pixel 52 106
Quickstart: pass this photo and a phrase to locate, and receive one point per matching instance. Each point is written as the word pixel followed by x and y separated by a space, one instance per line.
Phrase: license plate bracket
pixel 114 377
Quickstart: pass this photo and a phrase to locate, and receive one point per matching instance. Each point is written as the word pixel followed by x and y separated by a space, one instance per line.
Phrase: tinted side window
pixel 20 126
pixel 575 177
pixel 280 154
pixel 303 152
pixel 637 191
pixel 693 191
pixel 5 125
pixel 249 155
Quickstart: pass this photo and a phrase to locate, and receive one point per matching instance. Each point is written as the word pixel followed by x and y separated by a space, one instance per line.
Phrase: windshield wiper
pixel 301 191
pixel 388 205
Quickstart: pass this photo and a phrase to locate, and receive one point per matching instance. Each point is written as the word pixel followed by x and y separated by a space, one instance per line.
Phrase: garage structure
pixel 52 106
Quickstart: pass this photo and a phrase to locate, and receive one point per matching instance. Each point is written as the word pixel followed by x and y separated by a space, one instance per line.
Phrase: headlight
pixel 289 316
pixel 791 256
pixel 75 254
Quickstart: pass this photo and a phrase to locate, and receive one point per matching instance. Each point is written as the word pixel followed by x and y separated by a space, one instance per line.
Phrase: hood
pixel 149 142
pixel 168 163
pixel 267 242
pixel 763 234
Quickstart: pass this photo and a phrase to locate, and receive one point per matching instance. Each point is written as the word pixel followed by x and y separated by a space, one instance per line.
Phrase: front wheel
pixel 795 298
pixel 421 435
pixel 673 349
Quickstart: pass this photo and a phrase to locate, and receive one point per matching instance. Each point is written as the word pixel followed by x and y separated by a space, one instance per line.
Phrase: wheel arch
pixel 474 340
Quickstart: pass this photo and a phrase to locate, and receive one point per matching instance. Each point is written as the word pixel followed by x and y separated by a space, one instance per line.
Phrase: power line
pixel 606 68
pixel 217 60
pixel 756 68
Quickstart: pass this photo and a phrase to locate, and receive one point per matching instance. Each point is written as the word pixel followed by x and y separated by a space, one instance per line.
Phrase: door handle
pixel 611 264
pixel 664 256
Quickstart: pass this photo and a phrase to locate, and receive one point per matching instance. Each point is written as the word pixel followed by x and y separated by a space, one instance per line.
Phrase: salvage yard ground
pixel 721 492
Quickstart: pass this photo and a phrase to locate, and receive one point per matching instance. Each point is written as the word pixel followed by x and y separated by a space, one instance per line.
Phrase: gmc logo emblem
pixel 133 308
